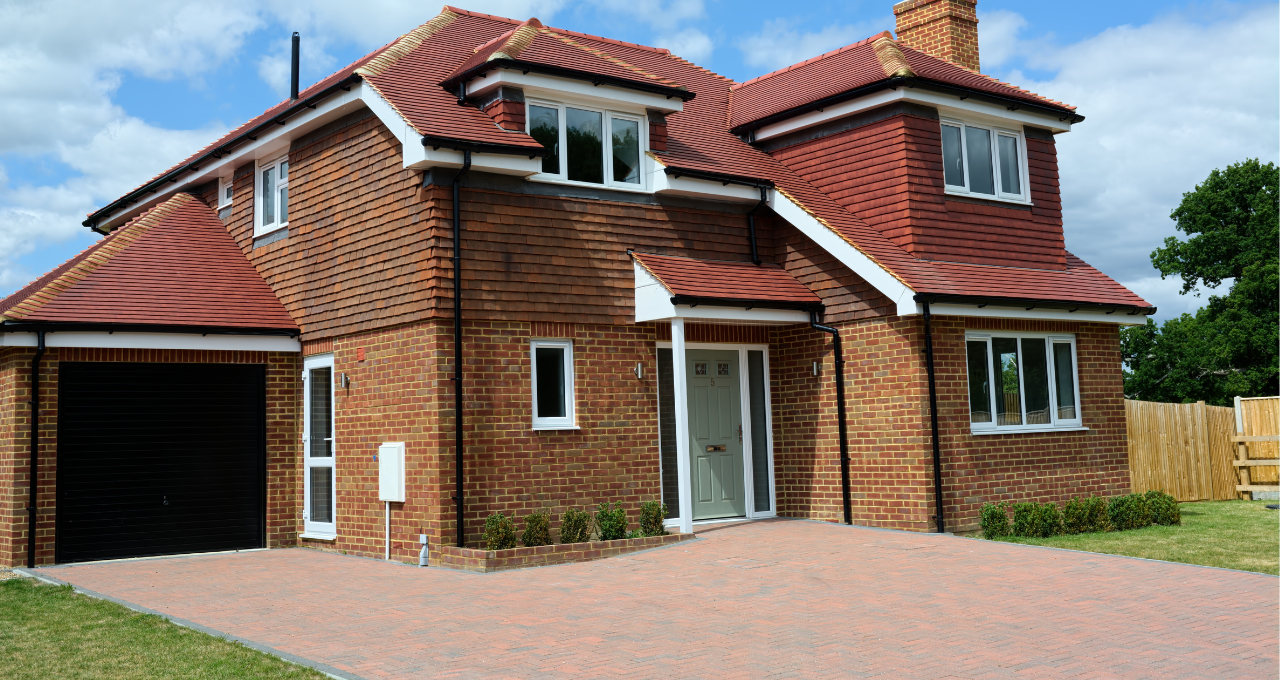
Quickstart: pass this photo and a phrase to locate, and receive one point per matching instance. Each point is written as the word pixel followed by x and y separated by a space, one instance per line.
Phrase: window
pixel 1022 381
pixel 980 160
pixel 273 195
pixel 587 145
pixel 552 372
pixel 319 487
pixel 224 192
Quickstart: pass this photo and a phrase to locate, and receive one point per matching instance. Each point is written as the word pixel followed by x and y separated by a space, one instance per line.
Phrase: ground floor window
pixel 319 477
pixel 552 382
pixel 1022 381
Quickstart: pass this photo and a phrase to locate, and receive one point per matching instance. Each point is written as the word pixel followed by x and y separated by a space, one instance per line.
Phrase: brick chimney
pixel 946 29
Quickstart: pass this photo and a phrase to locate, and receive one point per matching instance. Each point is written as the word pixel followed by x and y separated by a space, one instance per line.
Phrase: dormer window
pixel 592 146
pixel 984 161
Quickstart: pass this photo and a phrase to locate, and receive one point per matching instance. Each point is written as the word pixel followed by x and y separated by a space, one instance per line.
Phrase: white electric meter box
pixel 391 472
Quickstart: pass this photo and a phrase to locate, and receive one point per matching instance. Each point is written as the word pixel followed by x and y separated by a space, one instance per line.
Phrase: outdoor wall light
pixel 815 368
pixel 346 382
pixel 639 370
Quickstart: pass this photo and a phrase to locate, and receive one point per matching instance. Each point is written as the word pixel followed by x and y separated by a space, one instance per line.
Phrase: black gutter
pixel 32 490
pixel 913 82
pixel 1029 304
pixel 933 420
pixel 751 224
pixel 457 343
pixel 593 78
pixel 724 179
pixel 695 300
pixel 220 151
pixel 840 414
pixel 482 147
pixel 54 327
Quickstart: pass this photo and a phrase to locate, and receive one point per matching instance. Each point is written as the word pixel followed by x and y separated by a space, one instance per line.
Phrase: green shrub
pixel 499 532
pixel 1129 512
pixel 575 526
pixel 1164 508
pixel 995 520
pixel 1048 521
pixel 1024 519
pixel 537 529
pixel 1098 517
pixel 652 514
pixel 1075 516
pixel 611 522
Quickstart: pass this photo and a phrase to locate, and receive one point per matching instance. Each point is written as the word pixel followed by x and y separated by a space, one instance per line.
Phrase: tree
pixel 1229 347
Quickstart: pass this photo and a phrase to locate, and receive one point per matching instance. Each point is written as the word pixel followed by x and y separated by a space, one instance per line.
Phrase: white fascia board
pixel 653 303
pixel 662 183
pixel 541 86
pixel 947 105
pixel 119 340
pixel 1120 317
pixel 862 265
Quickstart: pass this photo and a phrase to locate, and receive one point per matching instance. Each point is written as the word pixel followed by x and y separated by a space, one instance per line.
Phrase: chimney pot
pixel 946 29
pixel 293 69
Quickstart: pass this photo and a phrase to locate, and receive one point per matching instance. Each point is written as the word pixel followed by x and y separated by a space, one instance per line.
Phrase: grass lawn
pixel 1231 534
pixel 51 632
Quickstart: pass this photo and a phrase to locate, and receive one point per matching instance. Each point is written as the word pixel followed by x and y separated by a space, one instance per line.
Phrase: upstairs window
pixel 225 193
pixel 273 195
pixel 587 145
pixel 1022 381
pixel 552 374
pixel 983 161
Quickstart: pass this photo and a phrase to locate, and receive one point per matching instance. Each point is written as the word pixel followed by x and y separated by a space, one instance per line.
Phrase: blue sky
pixel 96 98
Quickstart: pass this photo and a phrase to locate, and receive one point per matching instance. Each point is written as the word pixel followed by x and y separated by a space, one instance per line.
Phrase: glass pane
pixel 284 204
pixel 1035 380
pixel 626 151
pixel 978 151
pixel 1064 374
pixel 550 387
pixel 1010 167
pixel 952 159
pixel 667 433
pixel 284 171
pixel 1008 404
pixel 979 383
pixel 321 494
pixel 759 430
pixel 228 192
pixel 544 126
pixel 320 389
pixel 586 145
pixel 268 192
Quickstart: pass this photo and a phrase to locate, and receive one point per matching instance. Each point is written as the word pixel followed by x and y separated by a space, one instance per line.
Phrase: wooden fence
pixel 1186 449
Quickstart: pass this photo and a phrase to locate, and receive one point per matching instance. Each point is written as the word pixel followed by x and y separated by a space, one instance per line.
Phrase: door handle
pixel 739 433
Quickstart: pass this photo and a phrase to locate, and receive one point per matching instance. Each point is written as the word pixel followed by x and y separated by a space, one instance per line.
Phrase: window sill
pixel 1029 430
pixel 553 428
pixel 319 537
pixel 544 179
pixel 987 197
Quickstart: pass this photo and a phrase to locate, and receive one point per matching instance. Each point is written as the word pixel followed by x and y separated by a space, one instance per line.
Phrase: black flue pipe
pixel 840 414
pixel 933 418
pixel 457 342
pixel 751 224
pixel 32 489
pixel 293 69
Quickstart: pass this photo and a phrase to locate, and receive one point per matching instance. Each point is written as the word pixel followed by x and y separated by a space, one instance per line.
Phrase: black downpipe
pixel 751 224
pixel 35 450
pixel 457 341
pixel 293 69
pixel 840 415
pixel 933 418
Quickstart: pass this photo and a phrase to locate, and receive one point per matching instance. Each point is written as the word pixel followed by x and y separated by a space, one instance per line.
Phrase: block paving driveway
pixel 780 598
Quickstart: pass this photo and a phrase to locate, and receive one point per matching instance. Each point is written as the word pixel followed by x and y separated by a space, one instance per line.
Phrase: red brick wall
pixel 946 29
pixel 283 438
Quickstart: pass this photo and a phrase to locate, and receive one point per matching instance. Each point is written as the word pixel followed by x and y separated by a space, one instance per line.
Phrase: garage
pixel 159 459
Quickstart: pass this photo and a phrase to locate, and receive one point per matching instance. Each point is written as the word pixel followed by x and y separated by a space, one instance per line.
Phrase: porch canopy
pixel 680 289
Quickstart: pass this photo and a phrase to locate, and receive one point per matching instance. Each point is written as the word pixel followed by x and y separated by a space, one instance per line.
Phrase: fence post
pixel 1242 453
pixel 1204 479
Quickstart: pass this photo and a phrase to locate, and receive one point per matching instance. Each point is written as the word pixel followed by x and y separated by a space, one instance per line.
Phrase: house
pixel 838 291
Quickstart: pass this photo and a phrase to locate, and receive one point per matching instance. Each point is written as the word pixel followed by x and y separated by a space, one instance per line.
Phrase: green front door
pixel 715 434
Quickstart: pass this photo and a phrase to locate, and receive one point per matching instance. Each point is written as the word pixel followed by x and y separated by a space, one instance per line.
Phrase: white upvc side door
pixel 320 497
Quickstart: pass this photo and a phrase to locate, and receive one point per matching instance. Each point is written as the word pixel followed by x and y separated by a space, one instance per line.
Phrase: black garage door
pixel 157 459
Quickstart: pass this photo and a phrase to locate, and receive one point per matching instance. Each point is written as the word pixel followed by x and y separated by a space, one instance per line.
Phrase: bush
pixel 537 529
pixel 611 522
pixel 1024 519
pixel 1048 521
pixel 1164 508
pixel 1075 516
pixel 499 532
pixel 652 514
pixel 1097 516
pixel 575 526
pixel 995 520
pixel 1129 512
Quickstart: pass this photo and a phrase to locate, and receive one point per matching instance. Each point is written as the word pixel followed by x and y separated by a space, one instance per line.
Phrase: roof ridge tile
pixel 811 60
pixel 406 44
pixel 608 57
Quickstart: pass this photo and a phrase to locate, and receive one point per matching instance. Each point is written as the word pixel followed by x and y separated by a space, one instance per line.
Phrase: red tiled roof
pixel 851 67
pixel 726 280
pixel 174 265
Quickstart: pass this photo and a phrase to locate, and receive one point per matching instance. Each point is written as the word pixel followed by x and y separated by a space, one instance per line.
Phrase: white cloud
pixel 779 44
pixel 655 13
pixel 998 36
pixel 689 44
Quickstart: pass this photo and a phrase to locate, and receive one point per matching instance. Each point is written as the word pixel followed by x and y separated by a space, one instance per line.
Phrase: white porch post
pixel 681 395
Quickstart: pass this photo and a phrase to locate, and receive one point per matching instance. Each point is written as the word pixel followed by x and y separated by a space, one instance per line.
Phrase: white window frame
pixel 1024 196
pixel 258 228
pixel 569 421
pixel 225 187
pixel 607 116
pixel 1056 423
pixel 325 531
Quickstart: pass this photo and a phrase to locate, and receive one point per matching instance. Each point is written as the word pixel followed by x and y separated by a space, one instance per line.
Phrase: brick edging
pixel 488 561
